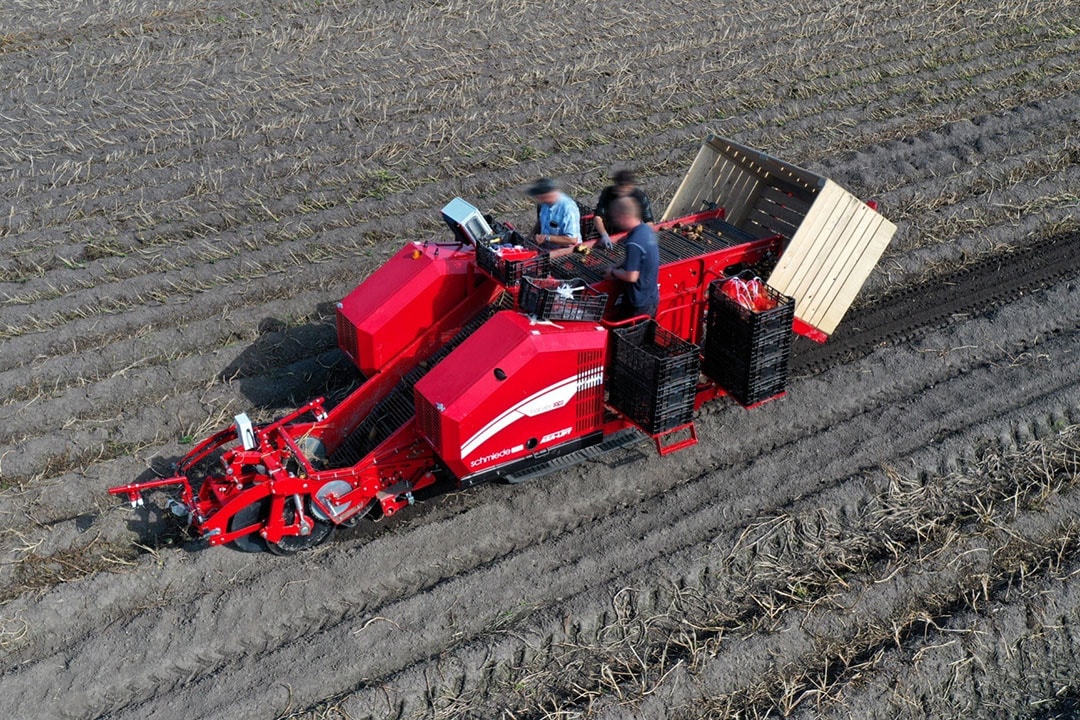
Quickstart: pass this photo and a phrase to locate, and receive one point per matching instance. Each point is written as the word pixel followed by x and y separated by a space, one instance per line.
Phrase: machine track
pixel 978 288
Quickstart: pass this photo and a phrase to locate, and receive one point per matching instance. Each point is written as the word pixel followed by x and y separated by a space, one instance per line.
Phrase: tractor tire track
pixel 986 284
pixel 858 454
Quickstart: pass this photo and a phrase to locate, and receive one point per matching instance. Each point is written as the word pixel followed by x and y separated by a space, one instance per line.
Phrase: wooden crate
pixel 834 239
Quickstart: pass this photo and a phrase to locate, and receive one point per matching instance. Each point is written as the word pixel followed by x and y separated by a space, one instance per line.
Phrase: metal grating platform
pixel 716 235
pixel 399 406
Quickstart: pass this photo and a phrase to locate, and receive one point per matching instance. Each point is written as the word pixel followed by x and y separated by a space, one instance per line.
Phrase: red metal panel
pixel 400 301
pixel 513 389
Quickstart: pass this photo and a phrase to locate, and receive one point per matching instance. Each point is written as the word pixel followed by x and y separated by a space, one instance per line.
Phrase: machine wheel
pixel 338 487
pixel 295 543
pixel 255 512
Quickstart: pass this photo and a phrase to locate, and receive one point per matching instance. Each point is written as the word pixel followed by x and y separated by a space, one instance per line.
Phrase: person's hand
pixel 609 273
pixel 604 243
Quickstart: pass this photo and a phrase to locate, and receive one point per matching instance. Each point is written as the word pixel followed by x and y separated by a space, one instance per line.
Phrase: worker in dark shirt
pixel 625 186
pixel 640 270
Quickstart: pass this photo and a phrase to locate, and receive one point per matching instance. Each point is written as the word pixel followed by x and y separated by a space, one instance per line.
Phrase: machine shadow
pixel 154 525
pixel 288 365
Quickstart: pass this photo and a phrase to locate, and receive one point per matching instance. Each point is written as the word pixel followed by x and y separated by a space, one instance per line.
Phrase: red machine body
pixel 457 389
pixel 463 386
pixel 401 300
pixel 515 388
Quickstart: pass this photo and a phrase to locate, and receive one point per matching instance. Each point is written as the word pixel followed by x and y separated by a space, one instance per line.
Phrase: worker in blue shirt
pixel 640 271
pixel 558 220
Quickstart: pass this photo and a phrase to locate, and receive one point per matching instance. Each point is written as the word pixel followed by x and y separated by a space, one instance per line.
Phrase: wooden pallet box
pixel 833 241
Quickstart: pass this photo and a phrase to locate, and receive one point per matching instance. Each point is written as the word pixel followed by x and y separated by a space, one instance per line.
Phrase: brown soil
pixel 188 187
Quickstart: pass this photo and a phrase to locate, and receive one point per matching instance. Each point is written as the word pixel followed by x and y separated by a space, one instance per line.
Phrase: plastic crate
pixel 747 352
pixel 653 377
pixel 510 271
pixel 746 321
pixel 553 299
pixel 655 415
pixel 588 224
pixel 749 383
pixel 654 353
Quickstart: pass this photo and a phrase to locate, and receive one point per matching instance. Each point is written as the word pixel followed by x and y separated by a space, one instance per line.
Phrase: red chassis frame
pixel 276 475
pixel 386 477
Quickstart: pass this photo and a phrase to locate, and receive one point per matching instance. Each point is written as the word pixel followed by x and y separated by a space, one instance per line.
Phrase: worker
pixel 558 220
pixel 640 270
pixel 625 186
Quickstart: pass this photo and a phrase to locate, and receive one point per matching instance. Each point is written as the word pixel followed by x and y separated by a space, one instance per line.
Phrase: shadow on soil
pixel 288 365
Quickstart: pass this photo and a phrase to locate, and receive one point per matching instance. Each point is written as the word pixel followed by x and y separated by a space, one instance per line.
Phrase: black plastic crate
pixel 653 378
pixel 654 354
pixel 746 351
pixel 750 385
pixel 554 299
pixel 510 272
pixel 655 415
pixel 744 321
pixel 588 225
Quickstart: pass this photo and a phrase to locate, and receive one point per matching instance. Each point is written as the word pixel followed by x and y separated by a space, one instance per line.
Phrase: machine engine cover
pixel 513 389
pixel 397 303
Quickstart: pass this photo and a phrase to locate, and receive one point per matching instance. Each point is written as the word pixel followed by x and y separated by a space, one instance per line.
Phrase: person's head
pixel 544 190
pixel 626 213
pixel 625 181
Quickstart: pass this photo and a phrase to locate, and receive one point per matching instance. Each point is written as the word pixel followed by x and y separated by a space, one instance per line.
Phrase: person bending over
pixel 625 186
pixel 640 271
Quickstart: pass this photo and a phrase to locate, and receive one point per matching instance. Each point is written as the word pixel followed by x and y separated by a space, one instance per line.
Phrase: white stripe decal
pixel 550 398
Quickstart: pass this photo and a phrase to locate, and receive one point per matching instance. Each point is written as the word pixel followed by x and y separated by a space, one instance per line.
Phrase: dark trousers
pixel 629 311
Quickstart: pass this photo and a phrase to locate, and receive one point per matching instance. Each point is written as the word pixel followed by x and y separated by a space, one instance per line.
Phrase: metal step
pixel 621 439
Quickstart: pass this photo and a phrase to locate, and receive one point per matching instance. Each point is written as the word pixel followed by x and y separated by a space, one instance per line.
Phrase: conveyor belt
pixel 674 246
pixel 399 406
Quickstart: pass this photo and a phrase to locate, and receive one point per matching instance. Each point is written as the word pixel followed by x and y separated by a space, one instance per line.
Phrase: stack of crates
pixel 747 351
pixel 654 377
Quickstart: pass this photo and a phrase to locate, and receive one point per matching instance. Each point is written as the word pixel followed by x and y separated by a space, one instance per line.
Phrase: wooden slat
pixel 836 264
pixel 781 213
pixel 760 218
pixel 835 240
pixel 731 175
pixel 801 254
pixel 860 270
pixel 779 197
pixel 830 257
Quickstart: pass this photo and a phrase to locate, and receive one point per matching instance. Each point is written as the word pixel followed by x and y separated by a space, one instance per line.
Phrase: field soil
pixel 187 187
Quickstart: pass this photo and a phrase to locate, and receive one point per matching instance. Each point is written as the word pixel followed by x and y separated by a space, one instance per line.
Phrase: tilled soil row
pixel 284 197
pixel 938 155
pixel 506 663
pixel 975 577
pixel 1014 656
pixel 486 533
pixel 819 31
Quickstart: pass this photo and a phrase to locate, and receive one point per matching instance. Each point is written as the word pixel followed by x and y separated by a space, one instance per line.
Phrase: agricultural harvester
pixel 486 358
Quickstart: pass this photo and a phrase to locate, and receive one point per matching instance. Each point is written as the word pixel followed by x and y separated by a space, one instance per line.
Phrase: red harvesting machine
pixel 486 358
